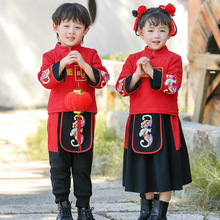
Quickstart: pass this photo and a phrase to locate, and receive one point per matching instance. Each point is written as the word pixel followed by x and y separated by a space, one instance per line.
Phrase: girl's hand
pixel 140 66
pixel 139 71
pixel 147 68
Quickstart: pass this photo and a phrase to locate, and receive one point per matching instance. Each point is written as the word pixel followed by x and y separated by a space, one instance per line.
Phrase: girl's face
pixel 70 32
pixel 155 36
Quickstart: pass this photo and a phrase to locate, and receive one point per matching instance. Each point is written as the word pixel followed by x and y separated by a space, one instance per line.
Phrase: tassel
pixel 79 130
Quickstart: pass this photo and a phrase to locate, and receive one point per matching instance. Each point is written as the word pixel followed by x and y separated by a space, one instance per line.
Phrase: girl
pixel 66 67
pixel 155 154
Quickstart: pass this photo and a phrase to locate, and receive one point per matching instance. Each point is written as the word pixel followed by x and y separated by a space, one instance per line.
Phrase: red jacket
pixel 73 76
pixel 157 95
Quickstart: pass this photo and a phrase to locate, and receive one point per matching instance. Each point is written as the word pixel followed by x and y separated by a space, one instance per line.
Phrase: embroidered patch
pixel 120 86
pixel 69 72
pixel 105 78
pixel 79 73
pixel 170 81
pixel 146 131
pixel 73 132
pixel 67 128
pixel 45 76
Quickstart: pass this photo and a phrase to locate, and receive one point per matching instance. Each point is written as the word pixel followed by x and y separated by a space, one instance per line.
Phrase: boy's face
pixel 70 32
pixel 155 36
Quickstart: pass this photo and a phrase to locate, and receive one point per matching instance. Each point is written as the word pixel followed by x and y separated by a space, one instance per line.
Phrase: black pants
pixel 63 164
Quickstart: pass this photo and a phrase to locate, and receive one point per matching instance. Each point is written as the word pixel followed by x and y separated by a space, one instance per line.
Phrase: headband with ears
pixel 168 8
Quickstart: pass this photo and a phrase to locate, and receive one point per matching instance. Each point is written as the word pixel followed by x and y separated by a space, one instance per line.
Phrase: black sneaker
pixel 64 211
pixel 85 213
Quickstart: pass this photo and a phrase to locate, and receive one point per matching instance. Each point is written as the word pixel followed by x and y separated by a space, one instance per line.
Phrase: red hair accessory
pixel 171 10
pixel 141 10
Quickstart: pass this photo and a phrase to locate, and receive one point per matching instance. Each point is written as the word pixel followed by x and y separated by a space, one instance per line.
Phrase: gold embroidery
pixel 69 72
pixel 156 68
pixel 159 68
pixel 145 75
pixel 79 73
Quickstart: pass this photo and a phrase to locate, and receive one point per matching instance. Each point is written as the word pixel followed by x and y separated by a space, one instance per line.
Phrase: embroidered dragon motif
pixel 106 78
pixel 45 76
pixel 170 81
pixel 73 132
pixel 120 86
pixel 146 130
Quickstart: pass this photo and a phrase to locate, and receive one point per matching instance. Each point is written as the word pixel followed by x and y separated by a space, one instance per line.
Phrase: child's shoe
pixel 159 210
pixel 146 206
pixel 85 214
pixel 64 211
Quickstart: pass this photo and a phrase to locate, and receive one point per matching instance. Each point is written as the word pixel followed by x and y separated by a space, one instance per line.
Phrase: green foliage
pixel 108 151
pixel 206 179
pixel 120 103
pixel 37 143
pixel 119 56
pixel 4 141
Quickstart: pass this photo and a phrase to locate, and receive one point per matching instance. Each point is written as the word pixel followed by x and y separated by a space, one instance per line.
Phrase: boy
pixel 70 66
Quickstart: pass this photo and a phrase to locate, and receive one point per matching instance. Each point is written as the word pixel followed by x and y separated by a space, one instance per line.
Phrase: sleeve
pixel 101 74
pixel 155 83
pixel 49 73
pixel 124 80
pixel 170 81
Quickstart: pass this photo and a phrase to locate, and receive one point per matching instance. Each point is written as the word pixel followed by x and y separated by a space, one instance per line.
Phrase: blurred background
pixel 26 33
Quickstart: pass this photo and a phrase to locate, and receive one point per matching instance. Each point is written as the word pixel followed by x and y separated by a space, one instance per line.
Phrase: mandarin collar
pixel 156 52
pixel 63 48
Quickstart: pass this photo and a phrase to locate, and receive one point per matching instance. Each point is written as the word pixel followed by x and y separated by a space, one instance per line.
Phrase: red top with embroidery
pixel 157 95
pixel 72 77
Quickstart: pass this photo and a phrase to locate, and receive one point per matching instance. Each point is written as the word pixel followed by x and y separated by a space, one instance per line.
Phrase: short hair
pixel 154 16
pixel 72 11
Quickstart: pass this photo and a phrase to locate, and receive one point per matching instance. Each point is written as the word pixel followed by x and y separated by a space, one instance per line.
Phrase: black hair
pixel 72 11
pixel 154 16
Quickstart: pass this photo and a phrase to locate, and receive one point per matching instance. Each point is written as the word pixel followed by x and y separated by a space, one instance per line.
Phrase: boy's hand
pixel 68 59
pixel 73 57
pixel 76 57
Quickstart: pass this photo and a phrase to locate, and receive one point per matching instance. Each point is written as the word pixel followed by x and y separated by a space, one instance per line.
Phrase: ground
pixel 25 188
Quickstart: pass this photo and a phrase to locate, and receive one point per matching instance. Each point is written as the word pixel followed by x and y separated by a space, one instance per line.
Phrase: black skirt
pixel 166 169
